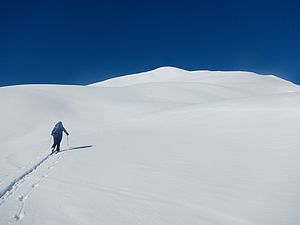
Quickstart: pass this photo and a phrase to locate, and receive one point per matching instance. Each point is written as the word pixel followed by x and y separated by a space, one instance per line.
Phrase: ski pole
pixel 50 146
pixel 68 142
pixel 50 139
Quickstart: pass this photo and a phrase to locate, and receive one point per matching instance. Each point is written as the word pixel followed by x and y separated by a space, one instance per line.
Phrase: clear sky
pixel 81 42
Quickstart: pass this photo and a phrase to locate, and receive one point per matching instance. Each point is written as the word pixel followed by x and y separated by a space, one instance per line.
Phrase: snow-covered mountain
pixel 165 147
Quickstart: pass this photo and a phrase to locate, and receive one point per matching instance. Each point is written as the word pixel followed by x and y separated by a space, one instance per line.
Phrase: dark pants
pixel 57 139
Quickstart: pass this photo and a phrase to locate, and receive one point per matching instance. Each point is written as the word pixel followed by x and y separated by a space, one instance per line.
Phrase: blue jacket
pixel 59 129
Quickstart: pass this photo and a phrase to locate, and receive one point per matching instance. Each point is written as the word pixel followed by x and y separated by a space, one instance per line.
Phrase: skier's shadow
pixel 83 147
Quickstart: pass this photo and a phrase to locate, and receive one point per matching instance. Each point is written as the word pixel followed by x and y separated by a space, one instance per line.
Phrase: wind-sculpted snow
pixel 162 147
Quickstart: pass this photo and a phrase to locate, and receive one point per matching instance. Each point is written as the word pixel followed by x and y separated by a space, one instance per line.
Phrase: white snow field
pixel 165 147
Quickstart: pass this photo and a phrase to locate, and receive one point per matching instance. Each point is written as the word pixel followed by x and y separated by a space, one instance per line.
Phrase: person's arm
pixel 66 131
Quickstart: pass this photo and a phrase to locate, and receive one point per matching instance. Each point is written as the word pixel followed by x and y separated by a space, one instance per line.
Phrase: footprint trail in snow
pixel 12 187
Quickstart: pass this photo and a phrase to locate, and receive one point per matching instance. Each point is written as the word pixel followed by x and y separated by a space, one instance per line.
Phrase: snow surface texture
pixel 165 147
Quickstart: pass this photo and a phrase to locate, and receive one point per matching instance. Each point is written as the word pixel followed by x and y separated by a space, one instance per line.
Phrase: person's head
pixel 59 123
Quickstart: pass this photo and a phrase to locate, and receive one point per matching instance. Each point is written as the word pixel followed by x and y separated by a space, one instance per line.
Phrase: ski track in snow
pixel 23 197
pixel 17 170
pixel 13 186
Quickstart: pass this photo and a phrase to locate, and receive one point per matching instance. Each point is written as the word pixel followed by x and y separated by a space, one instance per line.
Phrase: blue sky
pixel 81 42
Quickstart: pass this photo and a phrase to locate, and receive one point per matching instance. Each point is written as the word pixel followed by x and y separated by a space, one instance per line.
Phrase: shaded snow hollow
pixel 164 147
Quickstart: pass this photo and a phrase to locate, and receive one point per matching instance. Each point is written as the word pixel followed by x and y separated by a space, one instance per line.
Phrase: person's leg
pixel 54 142
pixel 59 137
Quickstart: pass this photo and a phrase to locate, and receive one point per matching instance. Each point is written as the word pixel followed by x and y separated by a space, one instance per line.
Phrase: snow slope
pixel 162 147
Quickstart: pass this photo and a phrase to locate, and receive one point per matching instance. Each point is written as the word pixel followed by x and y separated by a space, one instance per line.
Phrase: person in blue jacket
pixel 57 133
